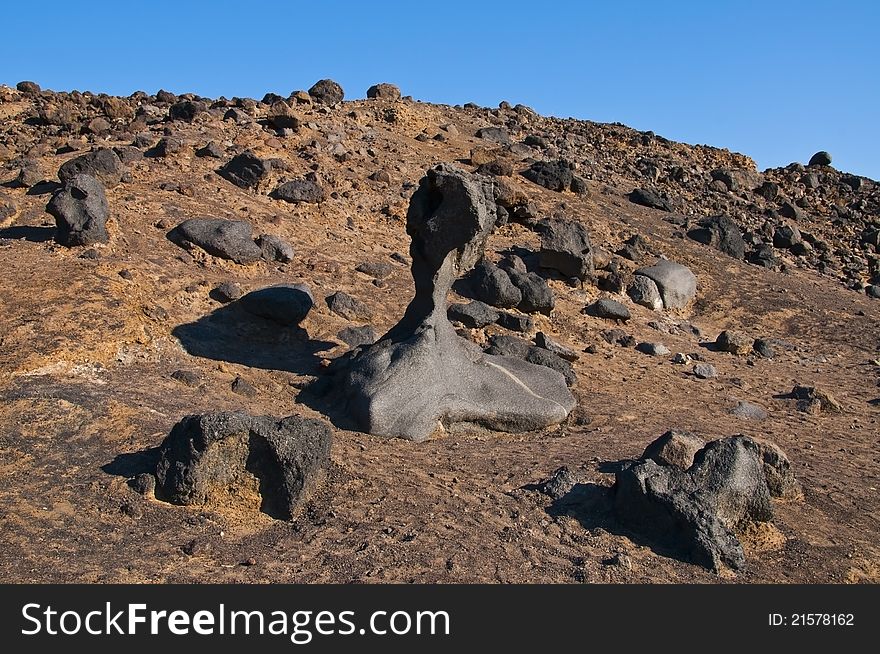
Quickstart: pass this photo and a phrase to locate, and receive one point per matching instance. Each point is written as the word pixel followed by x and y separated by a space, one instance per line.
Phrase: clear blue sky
pixel 776 80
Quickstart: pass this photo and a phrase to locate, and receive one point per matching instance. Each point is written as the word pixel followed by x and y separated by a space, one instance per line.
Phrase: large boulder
pixel 285 304
pixel 103 164
pixel 326 91
pixel 565 247
pixel 383 91
pixel 698 511
pixel 267 463
pixel 722 233
pixel 821 158
pixel 227 239
pixel 80 209
pixel 676 283
pixel 383 387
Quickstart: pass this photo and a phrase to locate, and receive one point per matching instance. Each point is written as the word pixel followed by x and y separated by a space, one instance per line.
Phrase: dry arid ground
pixel 91 336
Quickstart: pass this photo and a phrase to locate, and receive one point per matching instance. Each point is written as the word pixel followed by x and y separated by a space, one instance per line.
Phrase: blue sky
pixel 776 80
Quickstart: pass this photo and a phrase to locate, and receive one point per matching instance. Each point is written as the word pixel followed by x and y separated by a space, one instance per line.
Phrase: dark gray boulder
pixel 268 463
pixel 821 158
pixel 608 309
pixel 516 322
pixel 565 247
pixel 80 210
pixel 553 175
pixel 348 307
pixel 537 296
pixel 473 315
pixel 648 198
pixel 494 135
pixel 245 170
pixel 103 164
pixel 227 239
pixel 384 387
pixel 326 91
pixel 722 233
pixel 274 248
pixel 697 512
pixel 186 110
pixel 492 285
pixel 383 91
pixel 676 283
pixel 286 304
pixel 307 189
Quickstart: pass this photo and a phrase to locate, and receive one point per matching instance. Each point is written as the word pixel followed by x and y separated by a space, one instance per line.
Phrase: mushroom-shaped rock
pixel 421 374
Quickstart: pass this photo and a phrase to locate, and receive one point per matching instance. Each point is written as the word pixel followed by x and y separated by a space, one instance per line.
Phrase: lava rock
pixel 212 150
pixel 383 91
pixel 187 378
pixel 608 309
pixel 821 158
pixel 722 233
pixel 617 337
pixel 644 291
pixel 553 175
pixel 674 448
pixel 516 322
pixel 274 248
pixel 241 386
pixel 649 198
pixel 327 92
pixel 697 512
pixel 653 349
pixel 733 342
pixel 559 484
pixel 560 350
pixel 186 110
pixel 537 296
pixel 228 291
pixel 811 399
pixel 786 237
pixel 473 315
pixel 286 304
pixel 384 388
pixel 227 239
pixel 80 209
pixel 28 87
pixel 565 247
pixel 307 189
pixel 103 164
pixel 282 116
pixel 748 411
pixel 705 371
pixel 492 285
pixel 357 336
pixel 216 458
pixel 343 304
pixel 245 170
pixel 494 135
pixel 375 269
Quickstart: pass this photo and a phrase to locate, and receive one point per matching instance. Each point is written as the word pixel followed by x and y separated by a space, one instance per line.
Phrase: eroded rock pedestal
pixel 421 374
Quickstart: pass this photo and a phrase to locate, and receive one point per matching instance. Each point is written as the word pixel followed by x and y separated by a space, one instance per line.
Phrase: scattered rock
pixel 222 458
pixel 307 189
pixel 653 349
pixel 553 175
pixel 228 291
pixel 815 400
pixel 212 150
pixel 274 248
pixel 733 342
pixel 722 233
pixel 821 158
pixel 241 386
pixel 494 135
pixel 103 164
pixel 227 239
pixel 649 198
pixel 492 285
pixel 608 309
pixel 763 348
pixel 28 88
pixel 617 337
pixel 674 448
pixel 749 411
pixel 383 91
pixel 560 350
pixel 245 170
pixel 282 116
pixel 186 110
pixel 559 483
pixel 357 336
pixel 286 304
pixel 565 247
pixel 676 283
pixel 473 315
pixel 187 378
pixel 327 92
pixel 342 304
pixel 537 296
pixel 375 269
pixel 643 290
pixel 80 209
pixel 516 322
pixel 705 371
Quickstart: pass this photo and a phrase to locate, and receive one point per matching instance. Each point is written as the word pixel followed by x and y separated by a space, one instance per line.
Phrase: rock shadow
pixel 592 505
pixel 132 464
pixel 233 335
pixel 28 233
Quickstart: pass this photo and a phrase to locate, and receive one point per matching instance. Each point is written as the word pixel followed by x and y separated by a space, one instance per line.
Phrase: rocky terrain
pixel 193 289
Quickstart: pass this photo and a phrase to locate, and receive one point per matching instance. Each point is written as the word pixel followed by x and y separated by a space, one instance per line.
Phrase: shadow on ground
pixel 233 335
pixel 32 234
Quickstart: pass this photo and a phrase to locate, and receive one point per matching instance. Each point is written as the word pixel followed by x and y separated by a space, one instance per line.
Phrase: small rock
pixel 306 189
pixel 383 91
pixel 143 483
pixel 211 150
pixel 516 322
pixel 643 290
pixel 608 309
pixel 617 337
pixel 815 400
pixel 473 315
pixel 228 291
pixel 274 248
pixel 377 269
pixel 676 283
pixel 245 170
pixel 544 341
pixel 187 378
pixel 357 336
pixel 749 411
pixel 734 342
pixel 653 349
pixel 763 348
pixel 241 386
pixel 705 371
pixel 649 198
pixel 343 304
pixel 565 246
pixel 559 483
pixel 493 286
pixel 821 158
pixel 286 304
pixel 674 448
pixel 227 239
